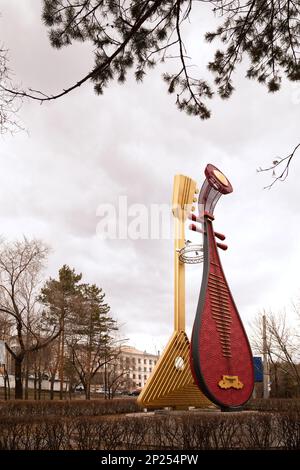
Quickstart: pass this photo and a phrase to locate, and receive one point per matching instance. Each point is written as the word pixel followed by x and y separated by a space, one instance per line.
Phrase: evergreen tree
pixel 84 343
pixel 59 297
pixel 90 342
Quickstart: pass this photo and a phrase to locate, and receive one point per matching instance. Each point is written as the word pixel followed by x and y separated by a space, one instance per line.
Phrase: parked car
pixel 135 392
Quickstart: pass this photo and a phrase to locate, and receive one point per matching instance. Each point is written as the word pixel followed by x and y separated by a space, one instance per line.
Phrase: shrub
pixel 183 431
pixel 68 408
pixel 260 432
pixel 288 430
pixel 274 404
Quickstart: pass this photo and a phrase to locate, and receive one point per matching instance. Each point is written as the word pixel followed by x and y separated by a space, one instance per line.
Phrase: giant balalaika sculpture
pixel 217 365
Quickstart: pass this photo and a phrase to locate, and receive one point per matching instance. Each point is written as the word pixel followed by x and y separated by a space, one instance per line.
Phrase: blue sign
pixel 258 369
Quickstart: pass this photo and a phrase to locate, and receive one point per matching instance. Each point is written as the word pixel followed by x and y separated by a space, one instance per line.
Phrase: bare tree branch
pixel 283 163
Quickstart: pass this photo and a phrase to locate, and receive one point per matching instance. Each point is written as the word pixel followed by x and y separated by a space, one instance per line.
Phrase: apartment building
pixel 137 364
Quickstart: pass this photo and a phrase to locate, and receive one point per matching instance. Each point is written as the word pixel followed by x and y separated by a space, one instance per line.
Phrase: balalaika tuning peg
pixel 222 246
pixel 194 228
pixel 220 236
pixel 194 218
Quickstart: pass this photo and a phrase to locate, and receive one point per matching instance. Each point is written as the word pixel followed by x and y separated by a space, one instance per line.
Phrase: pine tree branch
pixel 99 69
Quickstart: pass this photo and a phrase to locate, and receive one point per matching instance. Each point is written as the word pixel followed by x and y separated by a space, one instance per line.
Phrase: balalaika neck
pixel 179 277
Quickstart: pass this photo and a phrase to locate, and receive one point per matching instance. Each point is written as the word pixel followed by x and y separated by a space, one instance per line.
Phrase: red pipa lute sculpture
pixel 221 358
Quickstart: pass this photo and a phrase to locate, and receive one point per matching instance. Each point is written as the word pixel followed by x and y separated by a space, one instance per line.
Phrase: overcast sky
pixel 84 150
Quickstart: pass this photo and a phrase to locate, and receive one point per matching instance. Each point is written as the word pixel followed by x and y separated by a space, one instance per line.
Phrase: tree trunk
pixel 5 387
pixel 62 359
pixel 276 380
pixel 26 376
pixel 6 384
pixel 39 384
pixel 70 390
pixel 52 387
pixel 35 385
pixel 105 380
pixel 18 378
pixel 87 389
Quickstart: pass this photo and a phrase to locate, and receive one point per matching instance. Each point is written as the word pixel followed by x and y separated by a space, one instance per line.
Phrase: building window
pixel 150 362
pixel 140 384
pixel 145 377
pixel 133 376
pixel 150 369
pixel 140 369
pixel 155 362
pixel 140 377
pixel 139 360
pixel 145 361
pixel 145 369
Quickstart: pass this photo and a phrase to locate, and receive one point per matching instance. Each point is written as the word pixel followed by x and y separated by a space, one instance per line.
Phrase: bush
pixel 68 408
pixel 260 432
pixel 288 425
pixel 274 404
pixel 183 431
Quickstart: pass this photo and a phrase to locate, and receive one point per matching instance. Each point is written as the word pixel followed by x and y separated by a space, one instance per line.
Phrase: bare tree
pixel 117 374
pixel 10 102
pixel 21 263
pixel 282 347
pixel 281 164
pixel 6 326
pixel 286 347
